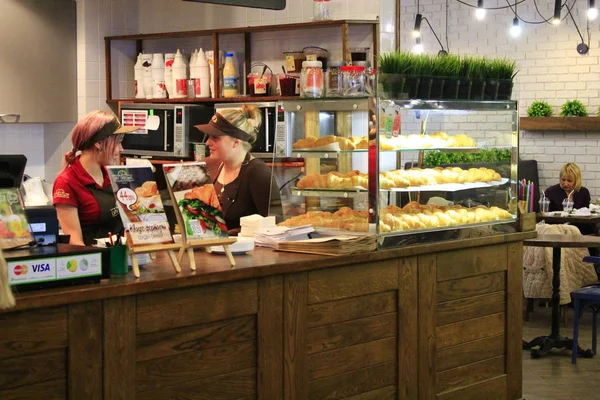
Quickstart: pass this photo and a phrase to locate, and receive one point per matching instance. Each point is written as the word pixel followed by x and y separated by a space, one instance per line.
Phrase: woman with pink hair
pixel 82 194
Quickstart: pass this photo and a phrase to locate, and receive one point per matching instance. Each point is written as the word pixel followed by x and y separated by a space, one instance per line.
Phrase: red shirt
pixel 70 188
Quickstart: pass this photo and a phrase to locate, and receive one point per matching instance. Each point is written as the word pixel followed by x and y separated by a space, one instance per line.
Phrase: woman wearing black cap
pixel 82 194
pixel 242 182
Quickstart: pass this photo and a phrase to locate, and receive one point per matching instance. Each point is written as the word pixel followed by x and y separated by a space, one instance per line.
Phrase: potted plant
pixel 449 66
pixel 506 75
pixel 464 90
pixel 539 108
pixel 476 69
pixel 394 69
pixel 424 67
pixel 573 108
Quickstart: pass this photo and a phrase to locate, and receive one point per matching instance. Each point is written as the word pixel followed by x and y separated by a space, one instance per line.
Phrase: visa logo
pixel 40 267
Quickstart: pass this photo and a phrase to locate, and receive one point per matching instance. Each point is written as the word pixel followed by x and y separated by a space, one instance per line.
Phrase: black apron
pixel 109 220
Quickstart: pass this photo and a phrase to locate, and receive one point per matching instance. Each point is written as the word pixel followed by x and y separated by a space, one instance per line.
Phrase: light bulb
pixel 515 29
pixel 592 13
pixel 480 12
pixel 556 21
pixel 416 34
pixel 557 7
pixel 418 49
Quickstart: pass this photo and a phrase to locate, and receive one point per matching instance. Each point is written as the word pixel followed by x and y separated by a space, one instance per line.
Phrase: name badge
pixel 114 212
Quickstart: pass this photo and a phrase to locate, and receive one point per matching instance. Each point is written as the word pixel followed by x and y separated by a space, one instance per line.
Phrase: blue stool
pixel 586 297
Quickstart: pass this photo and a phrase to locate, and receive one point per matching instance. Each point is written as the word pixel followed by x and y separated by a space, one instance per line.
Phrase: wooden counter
pixel 421 322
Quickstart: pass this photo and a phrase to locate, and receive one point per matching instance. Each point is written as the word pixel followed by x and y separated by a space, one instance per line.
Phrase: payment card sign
pixel 30 271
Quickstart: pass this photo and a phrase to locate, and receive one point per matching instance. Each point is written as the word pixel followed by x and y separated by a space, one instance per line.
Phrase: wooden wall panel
pixel 471 307
pixel 469 374
pixel 494 388
pixel 187 367
pixel 473 329
pixel 49 390
pixel 386 393
pixel 340 283
pixel 195 338
pixel 183 307
pixel 408 331
pixel 85 354
pixel 427 335
pixel 119 348
pixel 468 287
pixel 270 338
pixel 295 311
pixel 351 358
pixel 514 322
pixel 32 331
pixel 32 369
pixel 349 309
pixel 353 383
pixel 470 352
pixel 350 333
pixel 459 264
pixel 234 386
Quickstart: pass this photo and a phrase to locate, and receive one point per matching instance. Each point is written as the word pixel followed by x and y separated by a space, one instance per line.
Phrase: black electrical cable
pixel 434 34
pixel 574 23
pixel 546 20
pixel 447 43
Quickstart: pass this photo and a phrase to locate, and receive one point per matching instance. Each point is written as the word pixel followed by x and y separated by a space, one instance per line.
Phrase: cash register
pixel 41 262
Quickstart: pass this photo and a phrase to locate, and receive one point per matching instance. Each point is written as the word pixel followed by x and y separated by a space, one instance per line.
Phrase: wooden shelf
pixel 559 124
pixel 243 99
pixel 246 32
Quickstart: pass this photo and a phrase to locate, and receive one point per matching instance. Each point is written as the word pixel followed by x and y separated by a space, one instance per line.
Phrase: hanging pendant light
pixel 557 7
pixel 515 29
pixel 480 11
pixel 592 12
pixel 416 33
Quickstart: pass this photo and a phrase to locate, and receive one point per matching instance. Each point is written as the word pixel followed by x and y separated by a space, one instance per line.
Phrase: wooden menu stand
pixel 151 248
pixel 189 246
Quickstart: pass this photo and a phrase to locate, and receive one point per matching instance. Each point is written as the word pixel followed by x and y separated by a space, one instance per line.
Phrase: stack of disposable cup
pixel 202 79
pixel 169 58
pixel 179 77
pixel 158 77
pixel 138 73
pixel 147 74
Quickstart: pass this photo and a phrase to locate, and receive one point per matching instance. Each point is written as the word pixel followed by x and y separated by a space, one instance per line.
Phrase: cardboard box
pixel 526 222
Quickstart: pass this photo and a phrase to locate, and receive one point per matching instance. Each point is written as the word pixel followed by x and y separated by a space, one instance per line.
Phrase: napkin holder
pixel 526 222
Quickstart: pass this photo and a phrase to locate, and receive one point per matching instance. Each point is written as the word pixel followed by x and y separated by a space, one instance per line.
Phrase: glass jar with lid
pixel 353 78
pixel 333 79
pixel 311 81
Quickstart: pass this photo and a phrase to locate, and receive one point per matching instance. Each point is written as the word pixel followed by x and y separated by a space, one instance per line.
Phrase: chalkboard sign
pixel 268 4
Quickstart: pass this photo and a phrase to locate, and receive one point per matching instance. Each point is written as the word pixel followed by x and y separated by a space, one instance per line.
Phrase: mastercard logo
pixel 21 270
pixel 72 265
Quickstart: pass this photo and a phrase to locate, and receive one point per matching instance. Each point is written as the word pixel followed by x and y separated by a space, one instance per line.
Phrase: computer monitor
pixel 12 168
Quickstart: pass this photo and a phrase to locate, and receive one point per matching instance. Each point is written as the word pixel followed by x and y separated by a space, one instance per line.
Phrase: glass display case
pixel 409 171
pixel 443 166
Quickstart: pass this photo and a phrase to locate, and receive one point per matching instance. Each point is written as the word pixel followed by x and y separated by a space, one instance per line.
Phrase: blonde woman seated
pixel 537 267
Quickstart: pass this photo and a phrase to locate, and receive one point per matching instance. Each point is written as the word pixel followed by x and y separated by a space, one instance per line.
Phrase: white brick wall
pixel 550 69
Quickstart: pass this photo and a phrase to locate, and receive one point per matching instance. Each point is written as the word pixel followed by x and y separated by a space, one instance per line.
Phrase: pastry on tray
pixel 435 140
pixel 417 216
pixel 344 143
pixel 345 218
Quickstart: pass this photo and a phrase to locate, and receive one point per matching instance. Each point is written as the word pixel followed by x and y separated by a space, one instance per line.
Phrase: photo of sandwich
pixel 196 199
pixel 148 199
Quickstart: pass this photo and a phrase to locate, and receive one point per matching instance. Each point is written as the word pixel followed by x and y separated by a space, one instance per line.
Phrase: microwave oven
pixel 175 132
pixel 271 131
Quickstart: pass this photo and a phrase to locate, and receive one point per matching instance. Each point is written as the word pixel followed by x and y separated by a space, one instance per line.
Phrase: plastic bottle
pixel 159 89
pixel 230 77
pixel 202 80
pixel 147 74
pixel 193 72
pixel 321 10
pixel 138 73
pixel 169 58
pixel 179 77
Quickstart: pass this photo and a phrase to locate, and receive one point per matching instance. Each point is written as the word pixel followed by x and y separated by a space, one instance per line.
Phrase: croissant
pixel 306 143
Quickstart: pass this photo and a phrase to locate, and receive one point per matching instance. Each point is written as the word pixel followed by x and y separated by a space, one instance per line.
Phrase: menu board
pixel 14 228
pixel 196 199
pixel 139 203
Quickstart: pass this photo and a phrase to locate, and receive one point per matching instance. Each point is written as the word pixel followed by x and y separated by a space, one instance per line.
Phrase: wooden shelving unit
pixel 206 100
pixel 560 124
pixel 246 32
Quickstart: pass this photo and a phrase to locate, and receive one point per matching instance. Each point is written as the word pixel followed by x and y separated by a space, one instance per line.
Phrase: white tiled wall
pixel 550 69
pixel 27 139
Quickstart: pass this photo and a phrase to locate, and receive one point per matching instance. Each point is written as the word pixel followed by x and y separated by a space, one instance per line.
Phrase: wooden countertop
pixel 159 275
pixel 563 241
pixel 574 219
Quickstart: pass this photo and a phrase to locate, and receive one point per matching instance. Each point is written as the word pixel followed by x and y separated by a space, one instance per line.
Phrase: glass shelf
pixel 448 187
pixel 345 193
